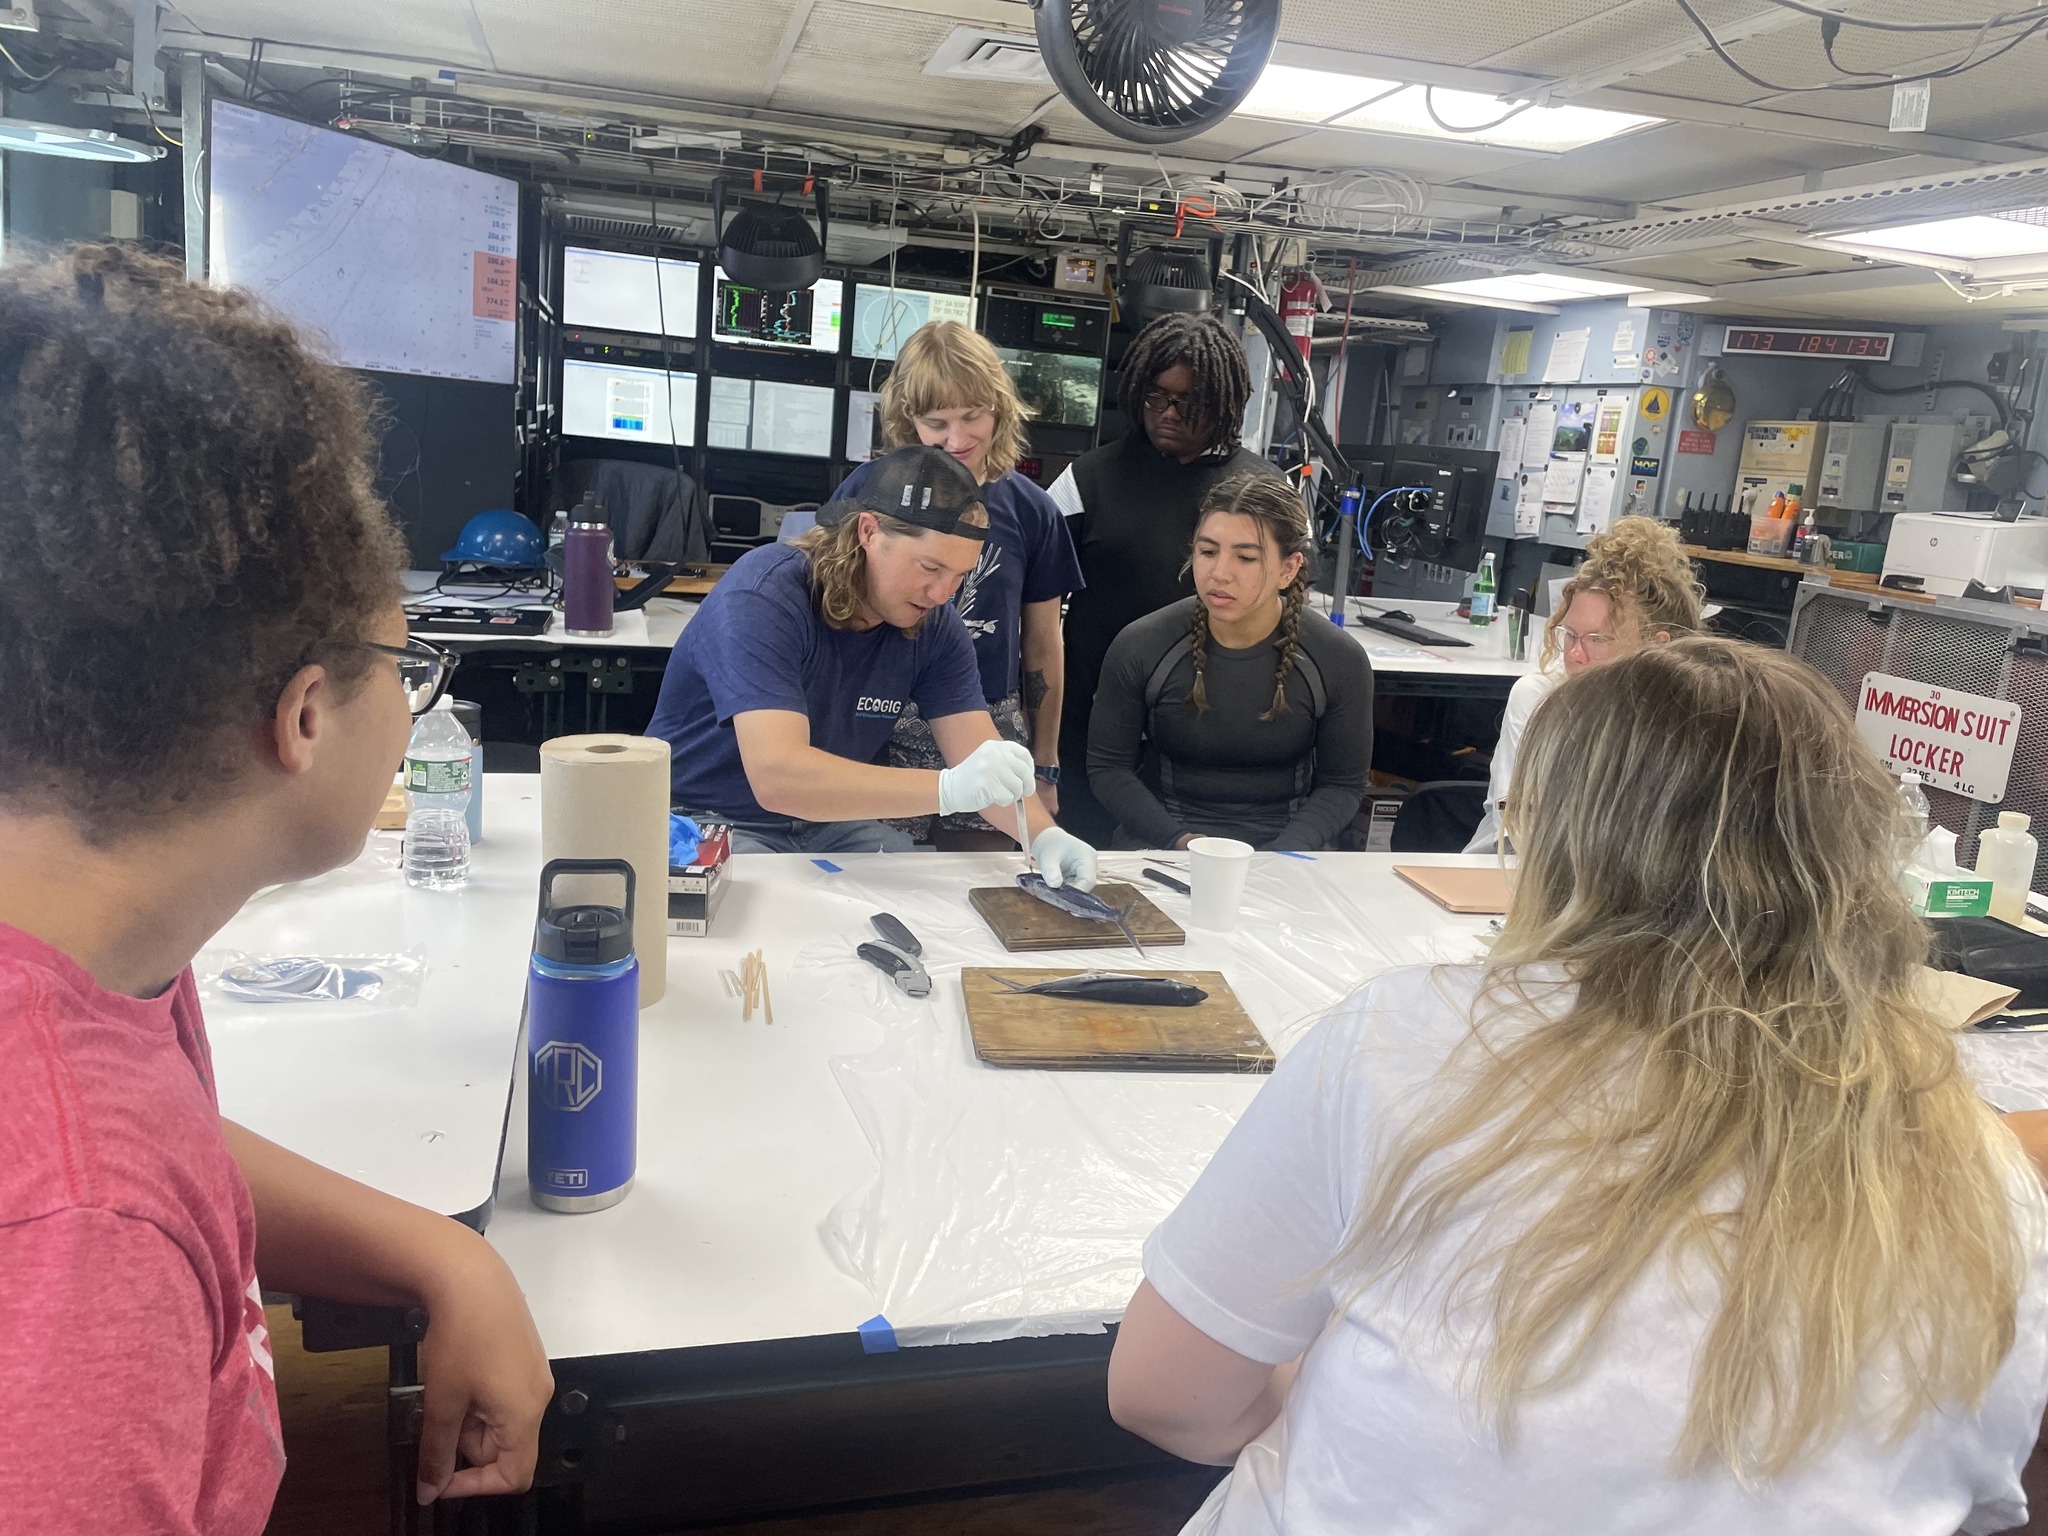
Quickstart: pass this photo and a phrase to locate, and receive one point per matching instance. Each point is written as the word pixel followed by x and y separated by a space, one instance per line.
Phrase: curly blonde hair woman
pixel 1678 1214
pixel 1636 588
pixel 949 389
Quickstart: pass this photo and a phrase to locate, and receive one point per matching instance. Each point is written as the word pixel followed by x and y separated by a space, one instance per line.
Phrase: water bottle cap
pixel 590 935
pixel 1910 777
pixel 2014 821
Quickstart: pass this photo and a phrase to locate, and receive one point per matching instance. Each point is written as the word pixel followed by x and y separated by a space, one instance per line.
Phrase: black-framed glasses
pixel 1159 401
pixel 424 670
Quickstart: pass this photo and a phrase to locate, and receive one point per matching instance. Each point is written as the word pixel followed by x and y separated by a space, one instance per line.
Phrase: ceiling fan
pixel 1156 71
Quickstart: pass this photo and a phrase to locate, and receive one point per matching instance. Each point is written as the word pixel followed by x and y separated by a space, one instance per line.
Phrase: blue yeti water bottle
pixel 583 1047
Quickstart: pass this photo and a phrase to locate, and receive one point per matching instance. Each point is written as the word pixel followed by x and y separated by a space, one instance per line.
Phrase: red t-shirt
pixel 136 1391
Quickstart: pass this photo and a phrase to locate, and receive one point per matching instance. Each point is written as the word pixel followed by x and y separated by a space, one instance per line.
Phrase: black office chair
pixel 1439 817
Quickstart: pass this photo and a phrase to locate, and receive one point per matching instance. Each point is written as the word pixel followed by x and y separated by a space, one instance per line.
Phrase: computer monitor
pixel 807 319
pixel 618 291
pixel 1450 529
pixel 1061 388
pixel 767 416
pixel 884 317
pixel 390 261
pixel 624 404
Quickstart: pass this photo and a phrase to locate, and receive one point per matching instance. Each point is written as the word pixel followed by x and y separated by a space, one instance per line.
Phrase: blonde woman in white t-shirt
pixel 1678 1215
pixel 1635 588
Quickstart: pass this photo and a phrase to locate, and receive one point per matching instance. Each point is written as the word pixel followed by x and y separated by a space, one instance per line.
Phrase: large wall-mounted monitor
pixel 623 404
pixel 391 261
pixel 807 319
pixel 884 317
pixel 618 291
pixel 765 416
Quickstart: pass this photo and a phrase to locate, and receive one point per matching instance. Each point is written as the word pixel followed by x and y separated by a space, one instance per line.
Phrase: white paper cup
pixel 1217 870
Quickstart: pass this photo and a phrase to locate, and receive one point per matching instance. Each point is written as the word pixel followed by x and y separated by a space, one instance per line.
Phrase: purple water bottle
pixel 587 589
pixel 583 1047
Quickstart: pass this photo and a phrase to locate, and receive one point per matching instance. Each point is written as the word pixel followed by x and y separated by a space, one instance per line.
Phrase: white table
pixel 410 1100
pixel 1482 660
pixel 754 1163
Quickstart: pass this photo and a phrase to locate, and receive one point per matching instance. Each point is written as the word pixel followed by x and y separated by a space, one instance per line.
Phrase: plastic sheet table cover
pixel 1013 1203
pixel 2010 1066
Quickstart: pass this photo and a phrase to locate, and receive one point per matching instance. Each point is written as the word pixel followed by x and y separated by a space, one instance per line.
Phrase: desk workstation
pixel 1115 768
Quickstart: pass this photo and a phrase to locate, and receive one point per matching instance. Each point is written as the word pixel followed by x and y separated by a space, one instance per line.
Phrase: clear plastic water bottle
pixel 437 790
pixel 1913 819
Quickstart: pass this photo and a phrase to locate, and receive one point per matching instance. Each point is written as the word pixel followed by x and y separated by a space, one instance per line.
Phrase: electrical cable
pixel 29 78
pixel 1429 105
pixel 177 144
pixel 2007 19
pixel 1972 62
pixel 1928 386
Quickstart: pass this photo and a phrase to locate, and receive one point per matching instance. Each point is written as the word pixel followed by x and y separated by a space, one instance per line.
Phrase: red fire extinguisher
pixel 1300 297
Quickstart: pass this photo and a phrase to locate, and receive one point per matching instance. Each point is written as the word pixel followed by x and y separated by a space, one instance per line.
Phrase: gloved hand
pixel 995 773
pixel 1064 859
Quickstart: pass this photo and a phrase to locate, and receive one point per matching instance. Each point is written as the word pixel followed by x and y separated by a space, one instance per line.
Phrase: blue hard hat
pixel 502 539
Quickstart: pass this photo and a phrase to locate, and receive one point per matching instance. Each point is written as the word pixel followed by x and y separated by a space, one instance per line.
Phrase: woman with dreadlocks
pixel 1131 505
pixel 1227 713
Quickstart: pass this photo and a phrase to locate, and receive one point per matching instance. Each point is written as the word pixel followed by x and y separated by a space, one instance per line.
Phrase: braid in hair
pixel 1223 379
pixel 1292 601
pixel 1199 694
pixel 1270 502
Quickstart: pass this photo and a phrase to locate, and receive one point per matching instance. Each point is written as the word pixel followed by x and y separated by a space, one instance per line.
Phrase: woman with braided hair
pixel 1131 505
pixel 1233 713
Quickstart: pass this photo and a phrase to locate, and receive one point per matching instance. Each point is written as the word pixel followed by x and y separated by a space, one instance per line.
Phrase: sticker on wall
pixel 1694 440
pixel 1656 404
pixel 1647 467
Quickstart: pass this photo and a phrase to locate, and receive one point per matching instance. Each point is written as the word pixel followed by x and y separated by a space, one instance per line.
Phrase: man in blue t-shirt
pixel 785 687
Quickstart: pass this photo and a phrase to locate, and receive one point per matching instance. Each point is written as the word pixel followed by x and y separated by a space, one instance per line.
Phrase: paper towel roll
pixel 606 797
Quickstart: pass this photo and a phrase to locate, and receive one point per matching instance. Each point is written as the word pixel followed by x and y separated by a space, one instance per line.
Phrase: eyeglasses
pixel 1159 401
pixel 1594 644
pixel 424 670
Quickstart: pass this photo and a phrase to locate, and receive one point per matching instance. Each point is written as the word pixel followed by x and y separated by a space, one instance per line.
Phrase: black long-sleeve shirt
pixel 1293 782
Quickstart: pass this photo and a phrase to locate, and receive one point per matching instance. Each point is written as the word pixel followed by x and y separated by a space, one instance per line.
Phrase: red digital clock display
pixel 1771 341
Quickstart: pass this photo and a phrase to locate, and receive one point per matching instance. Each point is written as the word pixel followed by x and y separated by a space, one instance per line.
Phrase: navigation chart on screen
pixel 883 320
pixel 399 264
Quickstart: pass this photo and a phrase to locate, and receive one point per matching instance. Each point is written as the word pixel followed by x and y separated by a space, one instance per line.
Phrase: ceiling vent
pixel 995 58
pixel 1763 264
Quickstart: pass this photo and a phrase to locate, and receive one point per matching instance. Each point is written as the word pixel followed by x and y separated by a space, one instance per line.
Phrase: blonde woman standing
pixel 949 390
pixel 1636 588
pixel 1676 1215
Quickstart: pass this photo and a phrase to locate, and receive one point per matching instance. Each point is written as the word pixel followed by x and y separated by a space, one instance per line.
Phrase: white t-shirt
pixel 1530 690
pixel 1375 1435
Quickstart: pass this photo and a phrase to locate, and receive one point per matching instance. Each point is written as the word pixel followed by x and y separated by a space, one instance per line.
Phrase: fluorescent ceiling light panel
pixel 1975 237
pixel 1287 93
pixel 64 143
pixel 1537 288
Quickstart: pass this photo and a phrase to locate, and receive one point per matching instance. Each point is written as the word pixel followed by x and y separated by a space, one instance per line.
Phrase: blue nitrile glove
pixel 1064 859
pixel 994 773
pixel 683 837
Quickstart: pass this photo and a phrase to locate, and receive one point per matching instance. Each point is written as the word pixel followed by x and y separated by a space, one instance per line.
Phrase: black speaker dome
pixel 772 247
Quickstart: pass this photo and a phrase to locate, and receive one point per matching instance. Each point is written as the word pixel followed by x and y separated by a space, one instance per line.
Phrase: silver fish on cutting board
pixel 1085 905
pixel 1115 987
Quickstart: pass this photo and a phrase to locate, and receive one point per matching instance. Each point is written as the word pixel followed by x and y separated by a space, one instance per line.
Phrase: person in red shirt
pixel 205 688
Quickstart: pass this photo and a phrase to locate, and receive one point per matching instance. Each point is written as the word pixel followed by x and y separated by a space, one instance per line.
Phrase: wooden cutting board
pixel 1474 891
pixel 1013 1030
pixel 1025 923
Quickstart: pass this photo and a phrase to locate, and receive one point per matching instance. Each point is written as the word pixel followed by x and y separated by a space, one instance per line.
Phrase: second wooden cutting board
pixel 1025 923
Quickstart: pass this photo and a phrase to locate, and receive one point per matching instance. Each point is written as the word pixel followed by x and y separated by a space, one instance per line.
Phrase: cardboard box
pixel 1957 896
pixel 696 890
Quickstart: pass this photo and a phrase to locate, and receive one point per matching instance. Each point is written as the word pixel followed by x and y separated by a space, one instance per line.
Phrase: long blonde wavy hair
pixel 1641 569
pixel 1744 1077
pixel 946 365
pixel 839 562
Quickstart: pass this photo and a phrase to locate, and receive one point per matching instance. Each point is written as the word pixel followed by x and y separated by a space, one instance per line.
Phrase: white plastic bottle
pixel 1913 820
pixel 437 790
pixel 2005 856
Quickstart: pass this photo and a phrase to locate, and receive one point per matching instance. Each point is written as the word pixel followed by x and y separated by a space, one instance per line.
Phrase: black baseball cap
pixel 926 487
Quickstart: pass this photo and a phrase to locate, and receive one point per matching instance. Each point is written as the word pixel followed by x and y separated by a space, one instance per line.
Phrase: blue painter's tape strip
pixel 828 866
pixel 1288 853
pixel 876 1336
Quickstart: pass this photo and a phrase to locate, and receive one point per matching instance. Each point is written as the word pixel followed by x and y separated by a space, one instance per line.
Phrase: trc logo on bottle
pixel 566 1075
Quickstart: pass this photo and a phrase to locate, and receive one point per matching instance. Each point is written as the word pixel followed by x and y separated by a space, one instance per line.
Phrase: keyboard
pixel 1414 634
pixel 477 621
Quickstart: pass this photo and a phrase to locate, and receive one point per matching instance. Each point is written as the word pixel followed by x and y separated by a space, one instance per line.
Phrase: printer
pixel 1943 552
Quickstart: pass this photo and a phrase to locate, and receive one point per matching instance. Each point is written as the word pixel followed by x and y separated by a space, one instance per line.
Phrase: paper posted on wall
pixel 1512 432
pixel 1596 499
pixel 1528 504
pixel 1562 479
pixel 1567 357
